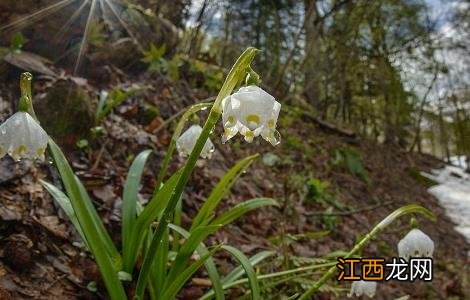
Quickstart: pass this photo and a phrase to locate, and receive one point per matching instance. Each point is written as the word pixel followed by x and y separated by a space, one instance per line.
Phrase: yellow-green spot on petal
pixel 21 149
pixel 231 120
pixel 271 123
pixel 40 151
pixel 253 119
pixel 249 133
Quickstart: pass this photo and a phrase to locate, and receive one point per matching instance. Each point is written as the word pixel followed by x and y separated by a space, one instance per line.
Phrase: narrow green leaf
pixel 66 206
pixel 178 214
pixel 238 272
pixel 187 249
pixel 160 268
pixel 100 229
pixel 180 280
pixel 250 272
pixel 87 216
pixel 241 209
pixel 148 215
pixel 209 264
pixel 79 197
pixel 220 191
pixel 299 272
pixel 129 199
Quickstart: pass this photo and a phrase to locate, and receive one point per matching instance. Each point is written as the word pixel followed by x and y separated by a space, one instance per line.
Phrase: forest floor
pixel 324 181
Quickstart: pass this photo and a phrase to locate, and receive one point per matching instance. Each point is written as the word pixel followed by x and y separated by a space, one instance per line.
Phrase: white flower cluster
pixel 251 111
pixel 22 137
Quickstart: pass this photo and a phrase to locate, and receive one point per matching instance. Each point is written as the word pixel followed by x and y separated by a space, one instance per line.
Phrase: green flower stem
pixel 404 210
pixel 177 221
pixel 171 148
pixel 179 128
pixel 26 100
pixel 236 75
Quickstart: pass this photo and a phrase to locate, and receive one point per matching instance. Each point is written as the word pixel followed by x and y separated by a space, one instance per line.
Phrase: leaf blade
pixel 129 199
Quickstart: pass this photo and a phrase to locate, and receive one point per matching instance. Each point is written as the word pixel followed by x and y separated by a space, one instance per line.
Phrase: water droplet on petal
pixel 276 140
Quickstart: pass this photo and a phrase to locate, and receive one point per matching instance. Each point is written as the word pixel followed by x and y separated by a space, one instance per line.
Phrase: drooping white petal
pixel 359 288
pixel 22 137
pixel 230 118
pixel 255 106
pixel 415 244
pixel 252 112
pixel 188 139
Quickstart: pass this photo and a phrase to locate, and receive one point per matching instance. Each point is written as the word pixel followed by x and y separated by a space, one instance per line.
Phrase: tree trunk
pixel 312 44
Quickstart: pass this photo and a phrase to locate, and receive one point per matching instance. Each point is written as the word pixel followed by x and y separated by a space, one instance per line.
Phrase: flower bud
pixel 188 139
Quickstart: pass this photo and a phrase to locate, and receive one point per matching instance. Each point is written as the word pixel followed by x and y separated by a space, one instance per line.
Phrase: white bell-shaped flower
pixel 252 112
pixel 415 244
pixel 22 137
pixel 188 139
pixel 361 287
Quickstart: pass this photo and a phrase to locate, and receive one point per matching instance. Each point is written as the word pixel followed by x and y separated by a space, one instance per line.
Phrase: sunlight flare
pixel 37 16
pixel 84 41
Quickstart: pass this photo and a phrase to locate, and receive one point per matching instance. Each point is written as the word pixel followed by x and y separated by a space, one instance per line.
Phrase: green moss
pixel 66 112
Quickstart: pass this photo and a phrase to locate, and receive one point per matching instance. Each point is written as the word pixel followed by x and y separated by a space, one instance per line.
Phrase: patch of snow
pixel 453 193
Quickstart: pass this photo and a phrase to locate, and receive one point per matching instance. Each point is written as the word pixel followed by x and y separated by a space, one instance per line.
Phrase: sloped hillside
pixel 332 187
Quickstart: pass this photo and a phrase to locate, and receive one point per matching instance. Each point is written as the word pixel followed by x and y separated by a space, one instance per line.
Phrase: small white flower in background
pixel 359 288
pixel 188 139
pixel 415 244
pixel 22 137
pixel 252 112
